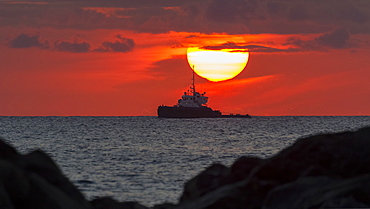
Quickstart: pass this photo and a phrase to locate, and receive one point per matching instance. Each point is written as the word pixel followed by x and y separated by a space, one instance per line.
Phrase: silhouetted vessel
pixel 193 105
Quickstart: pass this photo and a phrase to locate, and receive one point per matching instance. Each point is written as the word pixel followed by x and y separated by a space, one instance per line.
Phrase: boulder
pixel 242 167
pixel 14 186
pixel 321 170
pixel 46 195
pixel 35 181
pixel 39 163
pixel 109 203
pixel 164 206
pixel 211 178
pixel 7 152
pixel 310 192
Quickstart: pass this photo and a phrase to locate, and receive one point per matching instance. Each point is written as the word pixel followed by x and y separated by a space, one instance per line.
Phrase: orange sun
pixel 217 65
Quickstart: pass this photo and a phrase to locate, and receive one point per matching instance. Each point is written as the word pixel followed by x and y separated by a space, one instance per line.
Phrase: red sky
pixel 124 57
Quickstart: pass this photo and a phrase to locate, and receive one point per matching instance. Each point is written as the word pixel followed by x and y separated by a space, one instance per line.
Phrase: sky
pixel 125 57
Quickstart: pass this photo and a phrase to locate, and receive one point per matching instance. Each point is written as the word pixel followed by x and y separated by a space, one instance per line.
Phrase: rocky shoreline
pixel 322 171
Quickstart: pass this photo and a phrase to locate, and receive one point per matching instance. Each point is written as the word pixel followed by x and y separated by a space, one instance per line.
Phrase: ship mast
pixel 193 82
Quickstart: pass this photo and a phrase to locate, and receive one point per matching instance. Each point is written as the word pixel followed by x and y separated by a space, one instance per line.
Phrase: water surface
pixel 148 159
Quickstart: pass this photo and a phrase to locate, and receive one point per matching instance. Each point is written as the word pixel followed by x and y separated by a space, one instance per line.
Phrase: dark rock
pixel 109 203
pixel 327 169
pixel 345 202
pixel 50 196
pixel 362 194
pixel 208 180
pixel 35 181
pixel 242 167
pixel 316 191
pixel 37 162
pixel 7 151
pixel 340 155
pixel 14 186
pixel 164 206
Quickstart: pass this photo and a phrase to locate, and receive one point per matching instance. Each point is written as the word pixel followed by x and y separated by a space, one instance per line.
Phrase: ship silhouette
pixel 193 105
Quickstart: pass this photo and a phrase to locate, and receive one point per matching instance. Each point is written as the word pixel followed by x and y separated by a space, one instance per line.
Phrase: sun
pixel 217 65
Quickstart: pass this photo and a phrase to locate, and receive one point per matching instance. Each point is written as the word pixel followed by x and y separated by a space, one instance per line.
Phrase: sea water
pixel 148 159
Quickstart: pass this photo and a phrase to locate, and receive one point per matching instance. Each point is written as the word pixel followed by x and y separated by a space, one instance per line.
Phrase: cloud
pixel 336 39
pixel 192 36
pixel 27 41
pixel 122 45
pixel 274 7
pixel 229 10
pixel 354 13
pixel 243 47
pixel 72 46
pixel 298 12
pixel 221 16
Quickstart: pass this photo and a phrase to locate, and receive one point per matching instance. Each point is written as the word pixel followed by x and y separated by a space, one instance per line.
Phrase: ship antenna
pixel 193 84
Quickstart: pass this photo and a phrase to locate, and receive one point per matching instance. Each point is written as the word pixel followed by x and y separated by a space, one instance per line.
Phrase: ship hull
pixel 193 112
pixel 187 112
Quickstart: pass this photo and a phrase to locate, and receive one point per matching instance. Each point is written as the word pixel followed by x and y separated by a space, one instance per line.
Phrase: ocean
pixel 148 159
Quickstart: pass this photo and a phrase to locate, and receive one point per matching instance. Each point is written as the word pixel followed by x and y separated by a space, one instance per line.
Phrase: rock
pixel 343 202
pixel 7 151
pixel 312 192
pixel 164 206
pixel 35 181
pixel 341 155
pixel 5 202
pixel 39 163
pixel 109 203
pixel 208 180
pixel 14 186
pixel 50 196
pixel 296 175
pixel 242 167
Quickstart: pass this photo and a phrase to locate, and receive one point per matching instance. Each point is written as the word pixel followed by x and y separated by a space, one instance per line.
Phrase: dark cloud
pixel 72 46
pixel 289 16
pixel 177 45
pixel 336 39
pixel 122 45
pixel 229 10
pixel 274 7
pixel 164 69
pixel 192 36
pixel 298 12
pixel 26 41
pixel 243 48
pixel 355 14
pixel 208 16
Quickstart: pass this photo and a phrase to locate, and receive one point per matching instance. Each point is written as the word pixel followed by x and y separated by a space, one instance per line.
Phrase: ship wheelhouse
pixel 192 99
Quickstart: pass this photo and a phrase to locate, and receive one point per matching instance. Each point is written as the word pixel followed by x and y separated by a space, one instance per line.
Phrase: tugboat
pixel 193 105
